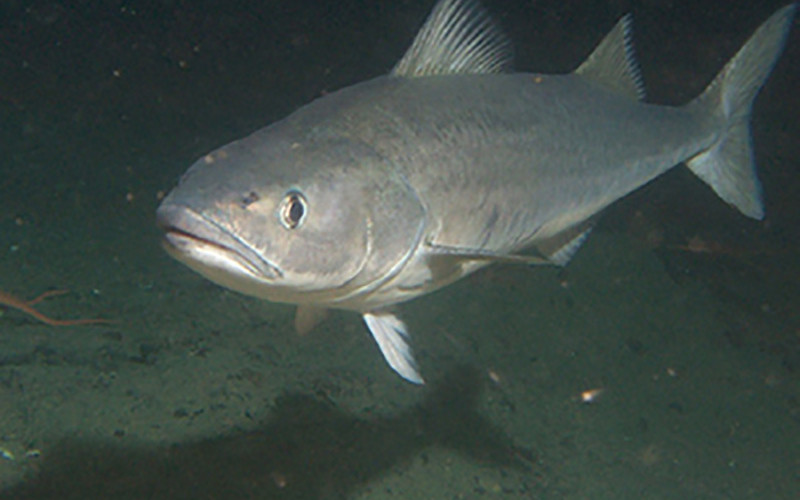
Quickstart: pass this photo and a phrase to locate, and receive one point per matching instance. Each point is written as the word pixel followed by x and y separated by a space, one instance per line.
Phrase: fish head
pixel 317 220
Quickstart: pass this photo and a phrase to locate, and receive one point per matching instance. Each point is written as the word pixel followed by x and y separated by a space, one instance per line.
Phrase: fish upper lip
pixel 180 222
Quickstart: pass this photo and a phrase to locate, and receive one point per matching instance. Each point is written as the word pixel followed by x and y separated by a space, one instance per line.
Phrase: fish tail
pixel 728 165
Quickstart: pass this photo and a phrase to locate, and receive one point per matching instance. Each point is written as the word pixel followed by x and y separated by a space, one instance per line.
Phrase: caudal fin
pixel 728 166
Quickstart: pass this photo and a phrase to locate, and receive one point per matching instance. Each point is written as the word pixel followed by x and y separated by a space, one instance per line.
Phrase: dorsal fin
pixel 458 37
pixel 613 62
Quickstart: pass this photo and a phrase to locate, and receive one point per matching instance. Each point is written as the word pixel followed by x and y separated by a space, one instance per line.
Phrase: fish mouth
pixel 205 246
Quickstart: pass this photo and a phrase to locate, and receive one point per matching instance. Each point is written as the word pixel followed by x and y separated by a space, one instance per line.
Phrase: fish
pixel 391 188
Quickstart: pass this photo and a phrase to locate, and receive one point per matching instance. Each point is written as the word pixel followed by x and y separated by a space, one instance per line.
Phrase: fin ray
pixel 613 62
pixel 390 333
pixel 457 38
pixel 560 248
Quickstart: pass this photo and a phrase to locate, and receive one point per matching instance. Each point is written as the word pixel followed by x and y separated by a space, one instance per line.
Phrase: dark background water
pixel 103 104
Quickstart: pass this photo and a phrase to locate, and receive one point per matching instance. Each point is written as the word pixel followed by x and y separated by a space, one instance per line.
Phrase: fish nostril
pixel 248 200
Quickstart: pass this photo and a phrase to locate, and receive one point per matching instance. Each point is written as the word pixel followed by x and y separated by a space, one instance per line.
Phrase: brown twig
pixel 9 300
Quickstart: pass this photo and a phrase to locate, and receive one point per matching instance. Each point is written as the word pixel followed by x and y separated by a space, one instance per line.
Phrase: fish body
pixel 394 187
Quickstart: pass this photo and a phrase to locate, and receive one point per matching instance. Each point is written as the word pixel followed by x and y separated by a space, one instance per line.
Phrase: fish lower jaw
pixel 208 258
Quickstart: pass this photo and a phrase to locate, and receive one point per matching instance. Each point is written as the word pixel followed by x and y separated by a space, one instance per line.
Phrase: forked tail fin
pixel 727 165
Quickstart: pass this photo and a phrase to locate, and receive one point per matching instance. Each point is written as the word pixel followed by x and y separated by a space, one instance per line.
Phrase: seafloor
pixel 681 313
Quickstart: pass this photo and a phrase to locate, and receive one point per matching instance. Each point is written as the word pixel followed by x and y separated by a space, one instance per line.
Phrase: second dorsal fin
pixel 613 62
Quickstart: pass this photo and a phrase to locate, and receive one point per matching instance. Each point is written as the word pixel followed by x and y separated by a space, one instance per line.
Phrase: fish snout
pixel 208 247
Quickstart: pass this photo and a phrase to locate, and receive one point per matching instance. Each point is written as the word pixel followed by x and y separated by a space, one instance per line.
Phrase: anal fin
pixel 560 249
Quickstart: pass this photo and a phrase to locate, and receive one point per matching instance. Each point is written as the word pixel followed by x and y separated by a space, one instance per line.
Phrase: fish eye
pixel 293 210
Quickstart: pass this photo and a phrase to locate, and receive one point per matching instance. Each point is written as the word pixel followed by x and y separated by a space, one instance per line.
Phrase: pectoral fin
pixel 392 338
pixel 557 249
pixel 460 253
